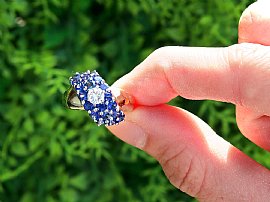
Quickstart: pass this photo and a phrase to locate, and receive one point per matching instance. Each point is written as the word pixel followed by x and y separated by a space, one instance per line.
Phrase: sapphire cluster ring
pixel 89 92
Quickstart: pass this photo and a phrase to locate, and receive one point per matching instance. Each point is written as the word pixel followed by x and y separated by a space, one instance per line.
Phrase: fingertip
pixel 254 23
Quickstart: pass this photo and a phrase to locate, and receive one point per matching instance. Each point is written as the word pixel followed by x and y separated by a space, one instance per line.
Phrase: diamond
pixel 95 95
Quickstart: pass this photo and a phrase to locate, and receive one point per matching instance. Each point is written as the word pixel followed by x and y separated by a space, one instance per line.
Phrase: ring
pixel 90 92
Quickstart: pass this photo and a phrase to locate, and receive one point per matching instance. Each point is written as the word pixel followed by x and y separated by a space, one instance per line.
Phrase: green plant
pixel 51 154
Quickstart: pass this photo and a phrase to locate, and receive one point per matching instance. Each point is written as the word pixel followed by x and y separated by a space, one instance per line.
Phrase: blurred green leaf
pixel 80 181
pixel 68 195
pixel 19 149
pixel 28 196
pixel 55 150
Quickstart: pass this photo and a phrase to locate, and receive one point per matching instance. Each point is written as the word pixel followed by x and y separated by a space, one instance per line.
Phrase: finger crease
pixel 235 71
pixel 186 175
pixel 202 183
pixel 174 156
pixel 174 91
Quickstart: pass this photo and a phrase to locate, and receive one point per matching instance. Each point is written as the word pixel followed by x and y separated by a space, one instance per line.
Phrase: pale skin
pixel 194 158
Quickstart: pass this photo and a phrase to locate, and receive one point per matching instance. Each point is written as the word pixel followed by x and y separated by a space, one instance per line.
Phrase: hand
pixel 194 158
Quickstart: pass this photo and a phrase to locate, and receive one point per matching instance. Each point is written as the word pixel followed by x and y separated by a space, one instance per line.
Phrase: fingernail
pixel 123 99
pixel 131 133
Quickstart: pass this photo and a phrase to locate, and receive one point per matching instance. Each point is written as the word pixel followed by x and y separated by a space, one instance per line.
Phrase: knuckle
pixel 161 58
pixel 244 54
pixel 160 51
pixel 240 54
pixel 249 66
pixel 242 57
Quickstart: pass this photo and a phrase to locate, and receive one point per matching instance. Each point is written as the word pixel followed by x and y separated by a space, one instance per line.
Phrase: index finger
pixel 231 74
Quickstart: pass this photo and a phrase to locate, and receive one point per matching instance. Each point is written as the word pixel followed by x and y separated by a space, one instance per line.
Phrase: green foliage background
pixel 48 153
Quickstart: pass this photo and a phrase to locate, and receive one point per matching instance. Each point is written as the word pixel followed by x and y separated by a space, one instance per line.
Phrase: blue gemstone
pixel 111 105
pixel 76 77
pixel 88 106
pixel 98 78
pixel 108 95
pixel 103 86
pixel 102 107
pixel 81 89
pixel 96 115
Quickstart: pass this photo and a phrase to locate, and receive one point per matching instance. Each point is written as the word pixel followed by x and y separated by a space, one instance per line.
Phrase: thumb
pixel 193 157
pixel 254 23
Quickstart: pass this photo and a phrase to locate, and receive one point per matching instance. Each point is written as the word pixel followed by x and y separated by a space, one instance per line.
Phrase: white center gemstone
pixel 95 95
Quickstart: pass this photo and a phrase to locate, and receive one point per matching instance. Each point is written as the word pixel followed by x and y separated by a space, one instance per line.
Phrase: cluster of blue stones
pixel 96 98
